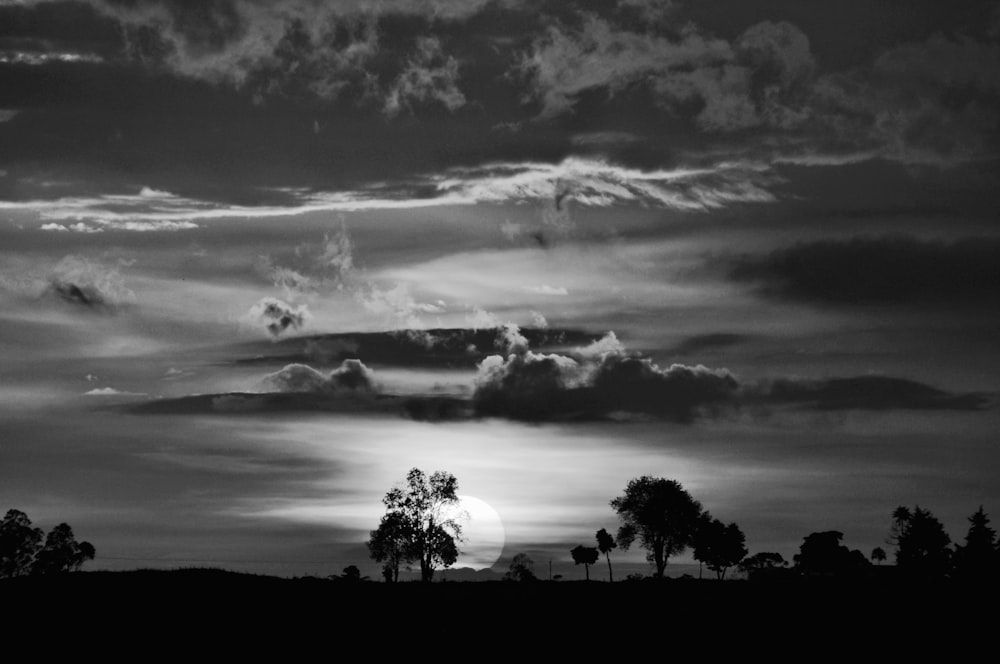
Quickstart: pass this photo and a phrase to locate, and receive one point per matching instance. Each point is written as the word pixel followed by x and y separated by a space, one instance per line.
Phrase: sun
pixel 482 533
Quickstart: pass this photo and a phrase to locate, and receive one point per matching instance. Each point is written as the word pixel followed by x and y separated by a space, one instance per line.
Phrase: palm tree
pixel 605 542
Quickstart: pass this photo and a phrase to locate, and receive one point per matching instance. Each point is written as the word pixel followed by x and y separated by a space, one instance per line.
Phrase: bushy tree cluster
pixel 26 550
pixel 666 520
pixel 419 525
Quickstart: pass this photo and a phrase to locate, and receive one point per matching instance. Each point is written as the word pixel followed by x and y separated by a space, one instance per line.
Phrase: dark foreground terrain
pixel 213 612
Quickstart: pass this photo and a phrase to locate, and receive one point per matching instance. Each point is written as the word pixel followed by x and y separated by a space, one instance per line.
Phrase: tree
pixel 521 569
pixel 764 561
pixel 351 574
pixel 822 553
pixel 878 555
pixel 61 552
pixel 719 546
pixel 389 544
pixel 976 559
pixel 922 545
pixel 584 555
pixel 660 514
pixel 605 542
pixel 19 542
pixel 419 523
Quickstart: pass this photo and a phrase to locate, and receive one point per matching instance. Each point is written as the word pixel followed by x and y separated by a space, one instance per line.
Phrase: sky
pixel 259 259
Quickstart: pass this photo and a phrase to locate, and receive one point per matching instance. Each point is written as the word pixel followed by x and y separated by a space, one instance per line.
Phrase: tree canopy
pixel 977 559
pixel 584 555
pixel 719 546
pixel 660 514
pixel 521 569
pixel 822 553
pixel 417 525
pixel 922 545
pixel 23 550
pixel 605 543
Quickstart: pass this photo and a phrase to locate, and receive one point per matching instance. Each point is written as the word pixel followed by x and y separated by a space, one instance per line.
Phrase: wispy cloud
pixel 584 181
pixel 32 58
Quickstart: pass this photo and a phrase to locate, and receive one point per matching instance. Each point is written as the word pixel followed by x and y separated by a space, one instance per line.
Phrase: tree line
pixel 26 550
pixel 662 518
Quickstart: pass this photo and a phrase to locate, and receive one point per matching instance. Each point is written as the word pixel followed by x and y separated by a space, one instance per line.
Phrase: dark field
pixel 223 612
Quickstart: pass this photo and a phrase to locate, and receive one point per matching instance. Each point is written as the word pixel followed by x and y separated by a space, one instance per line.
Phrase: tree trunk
pixel 586 568
pixel 611 576
pixel 658 559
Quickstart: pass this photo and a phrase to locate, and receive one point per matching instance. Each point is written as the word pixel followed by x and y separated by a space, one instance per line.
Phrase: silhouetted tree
pixel 428 534
pixel 921 541
pixel 762 562
pixel 822 553
pixel 878 555
pixel 719 546
pixel 661 514
pixel 521 569
pixel 977 559
pixel 19 543
pixel 351 573
pixel 584 555
pixel 389 544
pixel 605 542
pixel 61 552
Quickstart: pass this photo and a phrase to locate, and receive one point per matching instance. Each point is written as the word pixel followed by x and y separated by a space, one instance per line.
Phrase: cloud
pixel 37 59
pixel 601 381
pixel 352 377
pixel 600 183
pixel 931 102
pixel 545 289
pixel 757 80
pixel 510 340
pixel 429 76
pixel 8 114
pixel 298 49
pixel 313 267
pixel 111 392
pixel 866 393
pixel 585 181
pixel 877 270
pixel 87 283
pixel 277 316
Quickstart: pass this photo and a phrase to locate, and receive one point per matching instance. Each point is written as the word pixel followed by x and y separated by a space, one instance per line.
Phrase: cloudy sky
pixel 258 259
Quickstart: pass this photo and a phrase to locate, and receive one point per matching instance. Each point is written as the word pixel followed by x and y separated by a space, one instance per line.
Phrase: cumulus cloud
pixel 88 283
pixel 878 270
pixel 510 340
pixel 602 380
pixel 352 377
pixel 277 316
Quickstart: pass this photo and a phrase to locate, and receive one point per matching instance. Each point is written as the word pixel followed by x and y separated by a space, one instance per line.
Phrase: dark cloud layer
pixel 264 96
pixel 440 348
pixel 868 393
pixel 599 381
pixel 877 270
